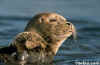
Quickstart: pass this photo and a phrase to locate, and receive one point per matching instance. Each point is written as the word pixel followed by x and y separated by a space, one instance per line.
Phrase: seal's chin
pixel 63 36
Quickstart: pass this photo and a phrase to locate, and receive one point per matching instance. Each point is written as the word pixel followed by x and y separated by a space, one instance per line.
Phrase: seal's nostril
pixel 68 23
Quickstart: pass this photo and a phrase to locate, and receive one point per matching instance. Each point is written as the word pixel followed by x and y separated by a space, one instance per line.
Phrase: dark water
pixel 84 14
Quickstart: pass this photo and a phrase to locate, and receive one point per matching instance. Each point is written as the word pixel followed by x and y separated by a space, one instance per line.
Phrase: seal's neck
pixel 55 46
pixel 30 30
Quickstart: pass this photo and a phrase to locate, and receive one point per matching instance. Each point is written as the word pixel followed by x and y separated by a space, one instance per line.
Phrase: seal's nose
pixel 73 30
pixel 68 23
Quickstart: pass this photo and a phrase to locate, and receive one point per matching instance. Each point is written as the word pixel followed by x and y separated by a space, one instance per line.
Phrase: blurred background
pixel 84 14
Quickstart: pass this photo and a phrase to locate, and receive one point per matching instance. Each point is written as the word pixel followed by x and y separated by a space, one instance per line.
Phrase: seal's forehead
pixel 49 15
pixel 55 15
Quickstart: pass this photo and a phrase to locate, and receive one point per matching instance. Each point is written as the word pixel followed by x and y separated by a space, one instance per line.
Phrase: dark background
pixel 84 14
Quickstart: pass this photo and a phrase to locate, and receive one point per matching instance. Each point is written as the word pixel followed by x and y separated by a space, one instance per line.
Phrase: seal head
pixel 53 27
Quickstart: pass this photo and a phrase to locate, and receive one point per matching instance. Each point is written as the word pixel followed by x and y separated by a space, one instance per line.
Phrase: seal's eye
pixel 52 20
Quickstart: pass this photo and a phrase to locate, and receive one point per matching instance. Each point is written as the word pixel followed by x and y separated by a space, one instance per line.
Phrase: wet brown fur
pixel 50 26
pixel 43 35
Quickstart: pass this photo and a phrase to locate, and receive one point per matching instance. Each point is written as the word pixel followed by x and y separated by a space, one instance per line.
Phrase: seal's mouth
pixel 71 32
pixel 63 35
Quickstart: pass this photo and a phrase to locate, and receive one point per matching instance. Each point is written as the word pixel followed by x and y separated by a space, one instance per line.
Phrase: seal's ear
pixel 41 19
